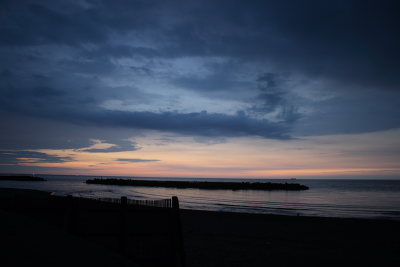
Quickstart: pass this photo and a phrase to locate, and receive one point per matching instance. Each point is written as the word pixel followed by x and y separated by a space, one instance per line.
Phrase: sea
pixel 349 198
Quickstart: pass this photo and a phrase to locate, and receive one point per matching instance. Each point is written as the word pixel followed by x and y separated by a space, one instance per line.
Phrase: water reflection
pixel 343 198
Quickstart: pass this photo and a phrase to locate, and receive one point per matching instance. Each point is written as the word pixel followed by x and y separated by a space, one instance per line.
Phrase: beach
pixel 238 239
pixel 216 239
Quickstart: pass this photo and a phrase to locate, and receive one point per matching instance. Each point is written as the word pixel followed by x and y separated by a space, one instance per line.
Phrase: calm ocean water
pixel 331 198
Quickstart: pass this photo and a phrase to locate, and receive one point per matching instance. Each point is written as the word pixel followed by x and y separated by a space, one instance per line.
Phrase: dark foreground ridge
pixel 200 185
pixel 21 178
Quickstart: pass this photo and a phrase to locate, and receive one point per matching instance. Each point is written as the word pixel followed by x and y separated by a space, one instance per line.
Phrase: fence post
pixel 69 218
pixel 122 226
pixel 177 234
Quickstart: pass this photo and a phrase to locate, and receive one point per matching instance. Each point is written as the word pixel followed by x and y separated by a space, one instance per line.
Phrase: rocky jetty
pixel 201 185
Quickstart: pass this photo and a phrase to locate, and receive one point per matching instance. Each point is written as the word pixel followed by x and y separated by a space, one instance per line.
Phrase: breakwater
pixel 200 185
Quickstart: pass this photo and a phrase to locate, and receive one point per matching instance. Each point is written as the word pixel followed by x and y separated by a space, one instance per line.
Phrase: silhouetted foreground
pixel 200 185
pixel 210 238
pixel 147 232
pixel 21 178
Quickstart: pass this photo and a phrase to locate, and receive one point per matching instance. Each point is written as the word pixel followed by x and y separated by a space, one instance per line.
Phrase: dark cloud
pixel 27 132
pixel 212 85
pixel 120 146
pixel 355 41
pixel 11 157
pixel 141 70
pixel 62 60
pixel 138 160
pixel 13 169
pixel 67 109
pixel 271 96
pixel 207 140
pixel 30 23
pixel 196 123
pixel 368 112
pixel 107 51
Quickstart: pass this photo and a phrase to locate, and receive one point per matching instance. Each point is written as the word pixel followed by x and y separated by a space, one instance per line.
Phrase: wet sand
pixel 228 239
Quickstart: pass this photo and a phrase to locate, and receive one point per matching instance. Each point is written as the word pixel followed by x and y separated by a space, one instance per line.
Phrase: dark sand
pixel 233 239
pixel 219 239
pixel 27 242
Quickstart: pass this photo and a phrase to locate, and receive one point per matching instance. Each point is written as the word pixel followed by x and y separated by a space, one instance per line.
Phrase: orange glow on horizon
pixel 238 158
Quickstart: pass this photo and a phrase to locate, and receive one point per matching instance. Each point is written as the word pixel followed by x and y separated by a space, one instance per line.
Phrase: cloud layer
pixel 110 70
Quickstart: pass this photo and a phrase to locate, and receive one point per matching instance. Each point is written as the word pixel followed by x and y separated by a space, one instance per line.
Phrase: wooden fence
pixel 147 231
pixel 161 203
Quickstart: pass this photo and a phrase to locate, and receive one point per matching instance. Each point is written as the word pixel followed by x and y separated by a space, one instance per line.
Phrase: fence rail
pixel 159 203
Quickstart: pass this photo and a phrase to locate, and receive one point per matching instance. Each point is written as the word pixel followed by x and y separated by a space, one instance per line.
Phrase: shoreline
pixel 43 192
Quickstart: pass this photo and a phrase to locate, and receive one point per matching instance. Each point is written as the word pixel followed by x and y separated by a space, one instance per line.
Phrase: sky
pixel 241 89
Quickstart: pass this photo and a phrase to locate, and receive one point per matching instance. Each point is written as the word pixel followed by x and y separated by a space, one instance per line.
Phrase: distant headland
pixel 21 178
pixel 201 185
